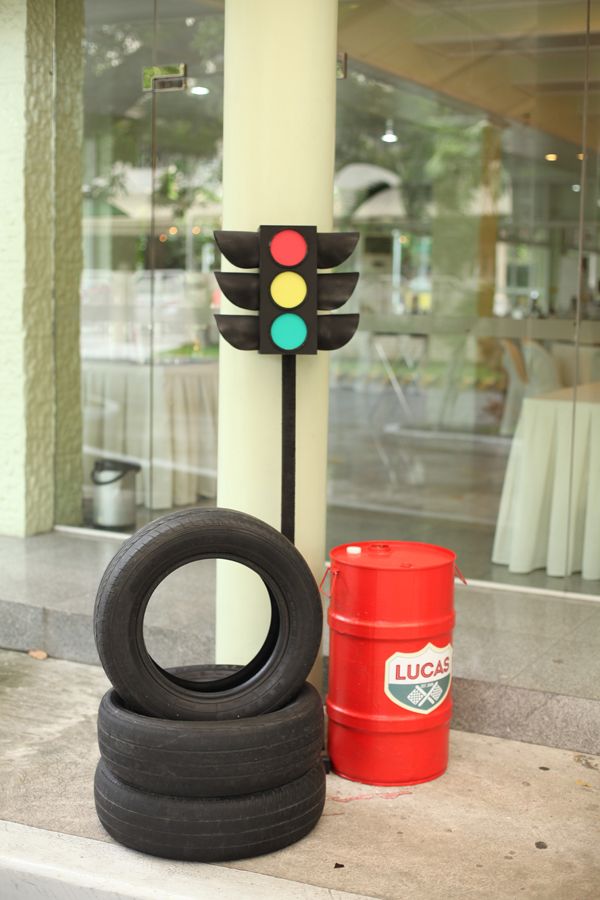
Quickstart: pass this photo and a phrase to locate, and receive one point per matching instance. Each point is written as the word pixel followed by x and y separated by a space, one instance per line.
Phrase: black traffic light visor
pixel 333 290
pixel 335 331
pixel 334 247
pixel 242 247
pixel 239 247
pixel 241 288
pixel 239 331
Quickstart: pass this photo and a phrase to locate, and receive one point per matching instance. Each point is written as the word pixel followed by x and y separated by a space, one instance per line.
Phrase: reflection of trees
pixel 108 46
pixel 116 108
pixel 364 105
pixel 462 163
pixel 102 189
pixel 437 145
pixel 179 185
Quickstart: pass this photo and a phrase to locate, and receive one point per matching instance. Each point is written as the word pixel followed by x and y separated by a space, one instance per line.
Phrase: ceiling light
pixel 576 188
pixel 390 136
pixel 199 90
pixel 551 157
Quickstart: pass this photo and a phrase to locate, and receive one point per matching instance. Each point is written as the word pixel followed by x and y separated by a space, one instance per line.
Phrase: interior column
pixel 278 165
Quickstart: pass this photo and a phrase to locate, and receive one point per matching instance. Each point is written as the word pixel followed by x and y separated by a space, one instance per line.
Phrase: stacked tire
pixel 209 763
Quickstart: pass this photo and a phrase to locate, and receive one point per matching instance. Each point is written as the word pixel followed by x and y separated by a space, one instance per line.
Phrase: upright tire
pixel 209 830
pixel 280 668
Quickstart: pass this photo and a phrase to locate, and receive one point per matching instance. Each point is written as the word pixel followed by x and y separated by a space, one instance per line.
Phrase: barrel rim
pixel 359 561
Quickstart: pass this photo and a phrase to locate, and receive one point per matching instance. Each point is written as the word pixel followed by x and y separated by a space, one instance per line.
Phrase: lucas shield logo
pixel 419 681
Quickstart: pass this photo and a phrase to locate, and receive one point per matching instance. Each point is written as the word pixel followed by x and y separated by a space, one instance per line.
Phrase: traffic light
pixel 287 291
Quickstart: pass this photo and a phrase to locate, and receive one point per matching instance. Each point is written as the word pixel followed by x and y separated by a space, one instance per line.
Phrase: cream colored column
pixel 40 196
pixel 26 311
pixel 278 162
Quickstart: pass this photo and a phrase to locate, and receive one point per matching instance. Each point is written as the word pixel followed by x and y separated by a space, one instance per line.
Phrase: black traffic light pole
pixel 288 447
pixel 287 324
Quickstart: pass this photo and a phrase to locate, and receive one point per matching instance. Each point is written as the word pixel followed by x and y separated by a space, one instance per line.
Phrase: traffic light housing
pixel 287 291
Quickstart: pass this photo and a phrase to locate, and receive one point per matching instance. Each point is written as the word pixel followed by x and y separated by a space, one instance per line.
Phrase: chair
pixel 542 371
pixel 514 366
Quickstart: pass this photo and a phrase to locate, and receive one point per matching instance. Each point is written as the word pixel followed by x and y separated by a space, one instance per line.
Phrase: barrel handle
pixel 333 573
pixel 118 476
pixel 458 573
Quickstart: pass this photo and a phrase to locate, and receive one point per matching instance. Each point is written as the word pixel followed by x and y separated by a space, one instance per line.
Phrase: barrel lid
pixel 393 555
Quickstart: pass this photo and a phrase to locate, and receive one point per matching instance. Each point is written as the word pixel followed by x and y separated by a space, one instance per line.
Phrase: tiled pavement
pixel 507 820
pixel 526 665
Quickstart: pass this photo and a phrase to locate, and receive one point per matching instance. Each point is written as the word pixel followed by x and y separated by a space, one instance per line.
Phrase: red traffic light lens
pixel 288 247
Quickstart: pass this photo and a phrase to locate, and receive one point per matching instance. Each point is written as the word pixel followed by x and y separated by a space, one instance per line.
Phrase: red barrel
pixel 390 661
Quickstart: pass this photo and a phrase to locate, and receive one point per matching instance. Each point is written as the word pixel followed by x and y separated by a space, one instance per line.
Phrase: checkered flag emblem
pixel 420 695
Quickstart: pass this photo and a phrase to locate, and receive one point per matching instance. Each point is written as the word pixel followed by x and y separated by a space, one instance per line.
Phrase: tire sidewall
pixel 175 540
pixel 211 759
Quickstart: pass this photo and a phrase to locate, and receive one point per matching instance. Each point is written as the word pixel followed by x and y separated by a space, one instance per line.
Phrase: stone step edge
pixel 482 707
pixel 58 866
pixel 64 634
pixel 530 716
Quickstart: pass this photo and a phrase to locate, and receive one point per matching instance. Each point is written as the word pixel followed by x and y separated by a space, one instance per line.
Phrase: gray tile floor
pixel 472 542
pixel 49 584
pixel 383 455
pixel 393 475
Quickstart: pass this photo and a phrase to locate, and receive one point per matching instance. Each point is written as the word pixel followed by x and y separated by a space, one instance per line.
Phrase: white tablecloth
pixel 533 530
pixel 179 455
pixel 587 358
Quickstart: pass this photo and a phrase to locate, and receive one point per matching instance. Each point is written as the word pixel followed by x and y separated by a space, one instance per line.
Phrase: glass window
pixel 151 186
pixel 464 159
pixel 459 159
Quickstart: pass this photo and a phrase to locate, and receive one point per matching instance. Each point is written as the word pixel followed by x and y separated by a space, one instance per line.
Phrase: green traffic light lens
pixel 288 332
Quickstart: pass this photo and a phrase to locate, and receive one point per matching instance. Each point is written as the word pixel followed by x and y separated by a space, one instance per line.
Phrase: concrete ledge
pixel 481 707
pixel 519 714
pixel 36 863
pixel 527 666
pixel 66 634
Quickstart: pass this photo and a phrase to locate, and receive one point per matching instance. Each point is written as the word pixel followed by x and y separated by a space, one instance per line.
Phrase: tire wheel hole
pixel 179 626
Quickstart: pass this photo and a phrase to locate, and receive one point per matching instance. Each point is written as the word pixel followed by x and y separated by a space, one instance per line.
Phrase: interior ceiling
pixel 518 60
pixel 515 60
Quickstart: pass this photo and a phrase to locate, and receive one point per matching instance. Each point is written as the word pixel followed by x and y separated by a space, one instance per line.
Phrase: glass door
pixel 187 134
pixel 151 198
pixel 116 309
pixel 466 158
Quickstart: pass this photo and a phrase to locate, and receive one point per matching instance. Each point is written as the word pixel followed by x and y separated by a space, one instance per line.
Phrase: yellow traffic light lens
pixel 288 289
